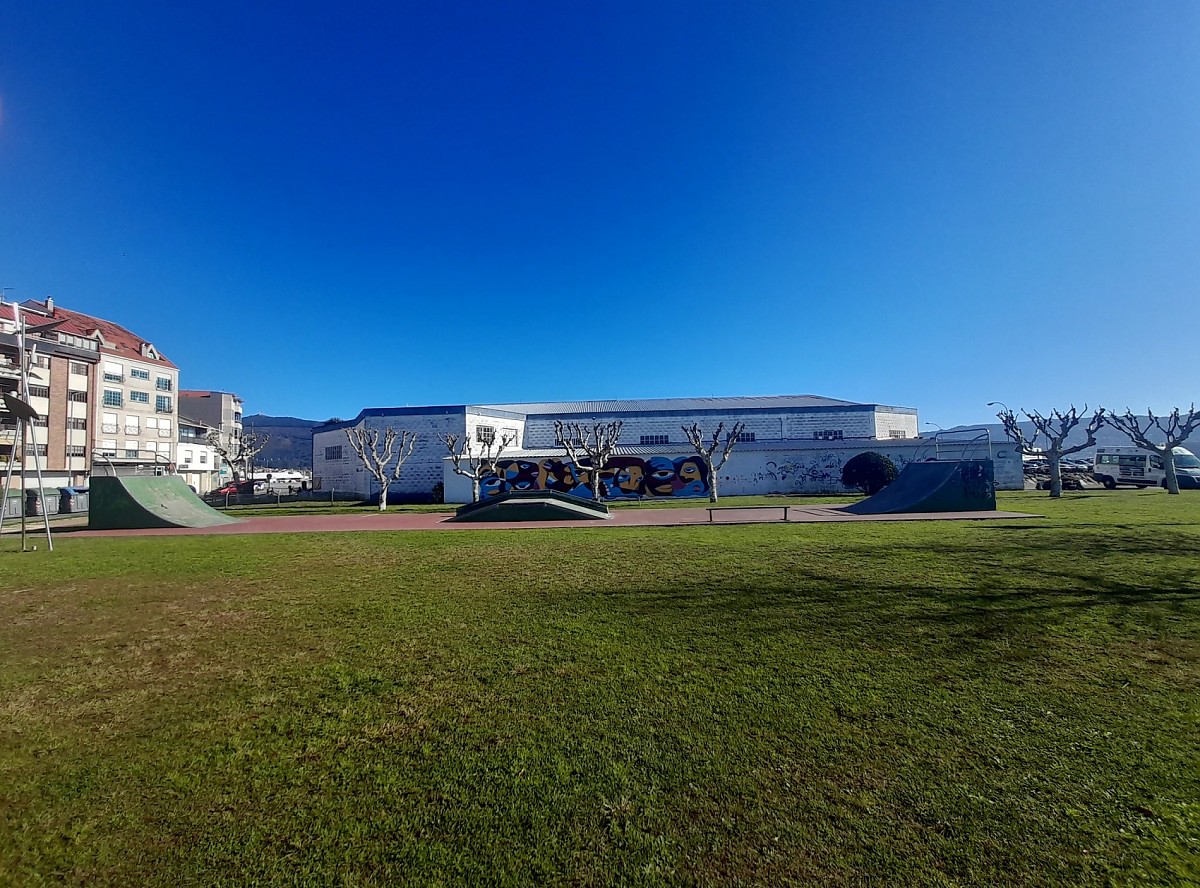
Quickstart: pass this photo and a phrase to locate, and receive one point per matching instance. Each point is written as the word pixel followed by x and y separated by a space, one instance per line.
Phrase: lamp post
pixel 1001 403
pixel 936 426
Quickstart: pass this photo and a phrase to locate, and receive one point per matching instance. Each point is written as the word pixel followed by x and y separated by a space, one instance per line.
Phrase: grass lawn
pixel 944 703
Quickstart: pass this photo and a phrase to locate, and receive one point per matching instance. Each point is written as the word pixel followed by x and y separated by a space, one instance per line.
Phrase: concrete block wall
pixel 421 471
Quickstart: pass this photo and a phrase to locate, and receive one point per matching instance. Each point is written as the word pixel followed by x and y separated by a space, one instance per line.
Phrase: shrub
pixel 869 472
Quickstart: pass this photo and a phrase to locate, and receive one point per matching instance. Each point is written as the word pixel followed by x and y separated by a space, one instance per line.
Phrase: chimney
pixel 50 306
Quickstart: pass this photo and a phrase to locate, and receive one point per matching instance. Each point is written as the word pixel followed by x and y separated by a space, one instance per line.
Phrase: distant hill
pixel 290 446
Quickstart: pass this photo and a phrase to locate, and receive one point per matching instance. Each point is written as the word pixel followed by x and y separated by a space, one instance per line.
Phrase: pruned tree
pixel 376 453
pixel 706 447
pixel 1054 428
pixel 597 442
pixel 475 463
pixel 1175 428
pixel 238 449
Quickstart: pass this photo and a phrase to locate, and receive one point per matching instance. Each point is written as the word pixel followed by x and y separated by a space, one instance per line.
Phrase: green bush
pixel 869 472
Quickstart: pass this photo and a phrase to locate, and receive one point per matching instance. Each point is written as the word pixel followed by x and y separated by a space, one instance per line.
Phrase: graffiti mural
pixel 623 477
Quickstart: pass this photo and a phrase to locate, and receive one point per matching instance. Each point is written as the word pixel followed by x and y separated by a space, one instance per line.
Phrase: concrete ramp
pixel 142 501
pixel 532 505
pixel 935 486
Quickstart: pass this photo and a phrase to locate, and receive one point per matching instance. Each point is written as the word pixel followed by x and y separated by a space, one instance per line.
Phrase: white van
pixel 1132 465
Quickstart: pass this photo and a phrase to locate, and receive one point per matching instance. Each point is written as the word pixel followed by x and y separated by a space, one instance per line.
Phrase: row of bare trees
pixel 1051 430
pixel 589 447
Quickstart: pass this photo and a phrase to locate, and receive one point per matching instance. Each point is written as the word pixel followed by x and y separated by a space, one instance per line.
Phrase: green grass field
pixel 946 703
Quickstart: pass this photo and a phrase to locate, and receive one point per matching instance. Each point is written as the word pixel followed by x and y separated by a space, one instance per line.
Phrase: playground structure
pixel 533 505
pixel 148 501
pixel 966 485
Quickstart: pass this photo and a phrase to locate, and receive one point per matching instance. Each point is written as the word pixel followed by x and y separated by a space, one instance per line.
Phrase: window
pixel 139 397
pixel 203 458
pixel 78 369
pixel 131 452
pixel 333 452
pixel 897 433
pixel 162 404
pixel 79 342
pixel 164 428
pixel 114 372
pixel 80 424
pixel 187 456
pixel 163 384
pixel 108 447
pixel 237 417
pixel 746 437
pixel 655 439
pixel 76 450
pixel 132 426
pixel 108 423
pixel 485 434
pixel 79 397
pixel 828 435
pixel 113 398
pixel 42 422
pixel 39 391
pixel 41 449
pixel 41 361
pixel 138 373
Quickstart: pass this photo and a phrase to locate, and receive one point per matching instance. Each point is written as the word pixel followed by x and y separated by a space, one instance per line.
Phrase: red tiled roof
pixel 117 340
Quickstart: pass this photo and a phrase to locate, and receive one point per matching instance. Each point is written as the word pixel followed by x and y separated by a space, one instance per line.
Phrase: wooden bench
pixel 712 509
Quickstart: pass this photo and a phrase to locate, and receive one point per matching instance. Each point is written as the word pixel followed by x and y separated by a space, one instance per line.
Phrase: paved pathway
pixel 620 518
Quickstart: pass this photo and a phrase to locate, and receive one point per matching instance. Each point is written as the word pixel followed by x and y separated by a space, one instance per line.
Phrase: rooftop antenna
pixel 25 414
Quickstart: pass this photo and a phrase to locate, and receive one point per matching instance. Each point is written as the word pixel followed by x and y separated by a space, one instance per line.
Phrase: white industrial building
pixel 790 444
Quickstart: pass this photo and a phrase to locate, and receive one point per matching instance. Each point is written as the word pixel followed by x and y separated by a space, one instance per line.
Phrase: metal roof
pixel 639 405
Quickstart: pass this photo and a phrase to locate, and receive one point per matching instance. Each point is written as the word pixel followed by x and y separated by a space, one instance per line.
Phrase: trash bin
pixel 65 495
pixel 33 504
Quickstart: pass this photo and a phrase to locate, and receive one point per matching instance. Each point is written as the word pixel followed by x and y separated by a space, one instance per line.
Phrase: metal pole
pixel 37 462
pixel 8 475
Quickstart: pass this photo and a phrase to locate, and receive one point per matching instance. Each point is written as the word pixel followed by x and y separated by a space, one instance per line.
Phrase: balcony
pixel 114 377
pixel 133 430
pixel 164 433
pixel 164 385
pixel 109 428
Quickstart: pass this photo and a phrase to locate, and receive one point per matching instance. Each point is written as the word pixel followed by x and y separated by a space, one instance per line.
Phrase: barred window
pixel 80 397
pixel 79 369
pixel 654 439
pixel 485 434
pixel 334 452
pixel 39 391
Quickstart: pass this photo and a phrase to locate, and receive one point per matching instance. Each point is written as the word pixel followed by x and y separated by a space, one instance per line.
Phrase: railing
pixel 109 428
pixel 133 430
pixel 164 433
pixel 114 377
pixel 164 385
pixel 167 409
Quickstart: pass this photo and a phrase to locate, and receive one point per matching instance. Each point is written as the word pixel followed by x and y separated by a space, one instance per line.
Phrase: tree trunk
pixel 595 482
pixel 1169 468
pixel 1055 473
pixel 383 489
pixel 474 488
pixel 712 483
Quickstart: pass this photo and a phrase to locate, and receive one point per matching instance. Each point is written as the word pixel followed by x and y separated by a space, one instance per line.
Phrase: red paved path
pixel 620 518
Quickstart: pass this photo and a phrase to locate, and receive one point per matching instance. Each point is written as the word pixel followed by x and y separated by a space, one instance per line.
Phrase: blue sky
pixel 329 207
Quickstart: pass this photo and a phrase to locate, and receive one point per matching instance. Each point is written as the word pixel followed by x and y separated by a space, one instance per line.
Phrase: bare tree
pixel 238 449
pixel 597 442
pixel 1054 428
pixel 1175 428
pixel 475 464
pixel 376 454
pixel 706 448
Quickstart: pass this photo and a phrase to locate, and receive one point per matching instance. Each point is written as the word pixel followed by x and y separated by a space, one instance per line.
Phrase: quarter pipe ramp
pixel 532 505
pixel 935 486
pixel 139 501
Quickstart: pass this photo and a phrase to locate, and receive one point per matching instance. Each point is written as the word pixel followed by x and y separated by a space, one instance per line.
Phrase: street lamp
pixel 1001 403
pixel 936 426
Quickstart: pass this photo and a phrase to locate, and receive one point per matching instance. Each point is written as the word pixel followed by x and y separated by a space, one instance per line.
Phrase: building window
pixel 203 458
pixel 41 449
pixel 333 452
pixel 40 422
pixel 139 397
pixel 163 384
pixel 131 452
pixel 162 404
pixel 745 438
pixel 108 423
pixel 113 398
pixel 114 372
pixel 187 456
pixel 897 433
pixel 78 369
pixel 132 426
pixel 39 391
pixel 79 397
pixel 108 447
pixel 41 361
pixel 485 434
pixel 164 428
pixel 655 440
pixel 828 435
pixel 138 373
pixel 76 450
pixel 80 424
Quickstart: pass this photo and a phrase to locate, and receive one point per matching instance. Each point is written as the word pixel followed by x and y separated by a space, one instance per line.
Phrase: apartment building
pixel 217 411
pixel 62 385
pixel 128 413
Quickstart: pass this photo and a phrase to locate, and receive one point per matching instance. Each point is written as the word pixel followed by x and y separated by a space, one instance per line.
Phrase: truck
pixel 1141 468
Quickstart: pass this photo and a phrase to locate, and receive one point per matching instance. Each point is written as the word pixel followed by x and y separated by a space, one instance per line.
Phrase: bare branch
pixel 597 442
pixel 706 448
pixel 468 463
pixel 376 455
